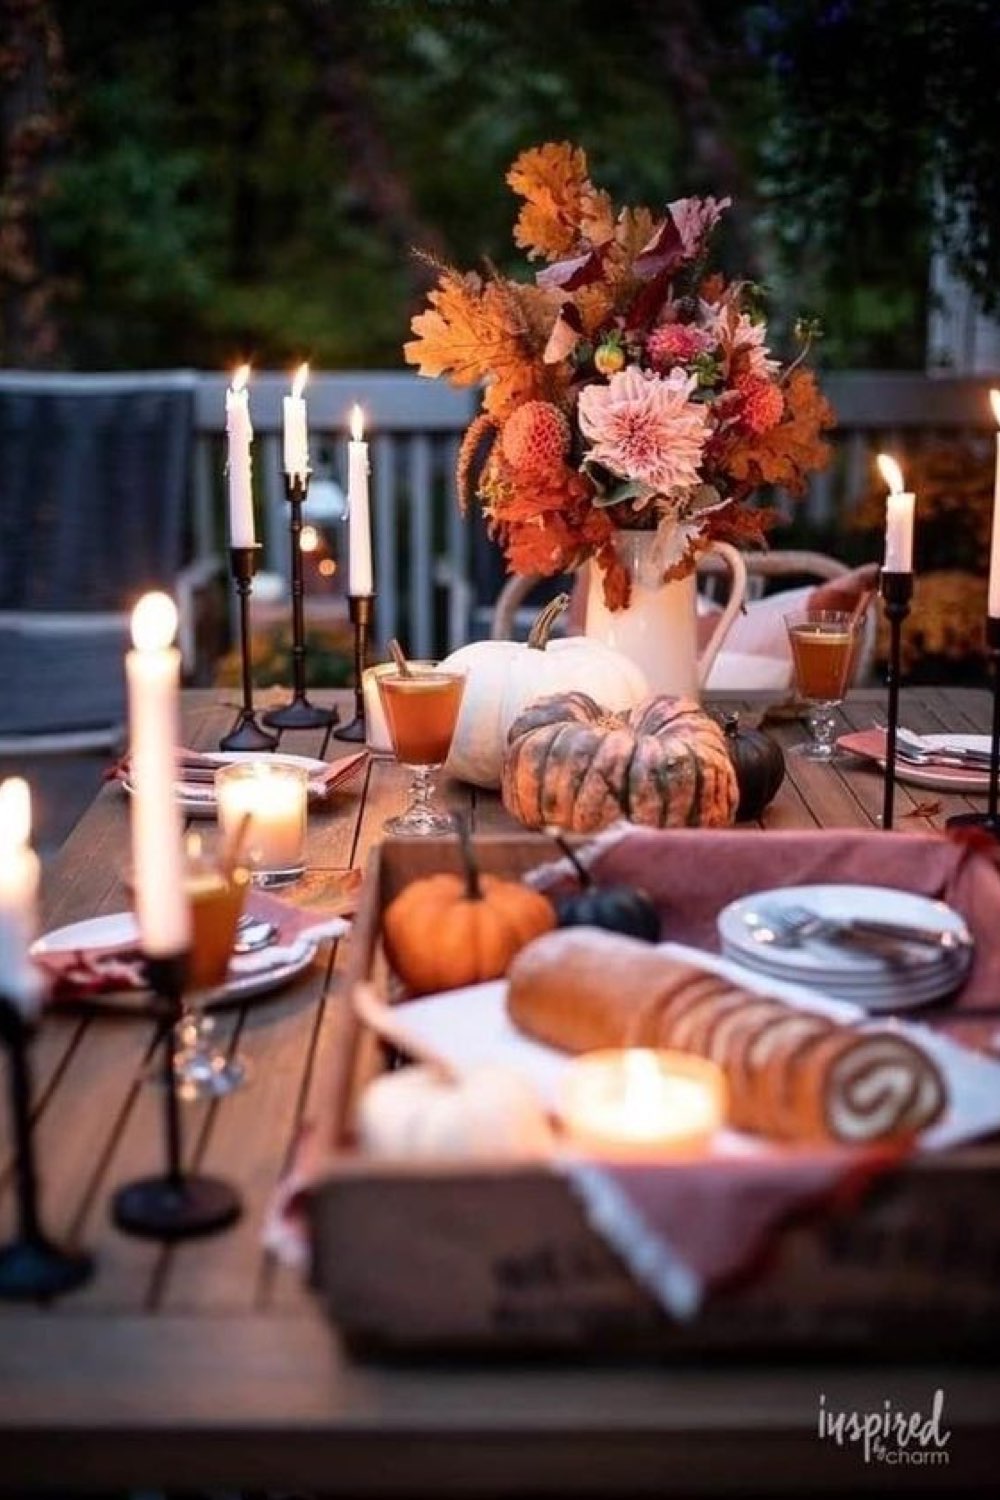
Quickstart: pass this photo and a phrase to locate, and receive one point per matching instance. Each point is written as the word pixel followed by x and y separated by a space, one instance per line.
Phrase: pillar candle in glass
pixel 152 670
pixel 239 435
pixel 296 428
pixel 273 796
pixel 641 1102
pixel 20 981
pixel 898 518
pixel 359 526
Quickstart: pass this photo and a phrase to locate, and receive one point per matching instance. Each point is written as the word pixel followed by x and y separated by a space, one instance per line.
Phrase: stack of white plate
pixel 897 976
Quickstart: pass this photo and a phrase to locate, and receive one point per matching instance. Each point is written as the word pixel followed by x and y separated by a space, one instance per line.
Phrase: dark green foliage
pixel 246 178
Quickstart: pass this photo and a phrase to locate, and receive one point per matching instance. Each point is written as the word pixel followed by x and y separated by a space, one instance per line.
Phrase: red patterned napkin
pixel 197 767
pixel 90 973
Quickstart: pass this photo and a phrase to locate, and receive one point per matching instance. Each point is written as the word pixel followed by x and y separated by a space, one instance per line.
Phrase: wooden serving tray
pixel 413 1258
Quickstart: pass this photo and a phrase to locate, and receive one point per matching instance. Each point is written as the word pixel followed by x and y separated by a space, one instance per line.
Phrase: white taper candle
pixel 899 510
pixel 20 981
pixel 296 428
pixel 239 434
pixel 359 531
pixel 152 670
pixel 993 602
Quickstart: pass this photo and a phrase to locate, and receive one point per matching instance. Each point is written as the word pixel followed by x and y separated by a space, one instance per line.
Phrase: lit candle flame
pixel 299 383
pixel 241 378
pixel 154 622
pixel 891 473
pixel 995 403
pixel 642 1086
pixel 15 812
pixel 357 423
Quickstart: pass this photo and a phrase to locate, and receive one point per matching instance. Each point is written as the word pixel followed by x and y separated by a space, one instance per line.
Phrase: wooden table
pixel 209 1365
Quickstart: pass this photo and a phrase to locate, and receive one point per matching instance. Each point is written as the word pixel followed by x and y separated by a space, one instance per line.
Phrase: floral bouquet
pixel 627 387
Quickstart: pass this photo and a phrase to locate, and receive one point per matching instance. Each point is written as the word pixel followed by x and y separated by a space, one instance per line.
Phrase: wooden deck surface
pixel 209 1364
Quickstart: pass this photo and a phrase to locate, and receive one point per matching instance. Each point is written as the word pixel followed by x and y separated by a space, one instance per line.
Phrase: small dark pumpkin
pixel 759 765
pixel 616 908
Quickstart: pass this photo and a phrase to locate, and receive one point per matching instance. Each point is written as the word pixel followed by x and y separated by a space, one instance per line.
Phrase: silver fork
pixel 789 926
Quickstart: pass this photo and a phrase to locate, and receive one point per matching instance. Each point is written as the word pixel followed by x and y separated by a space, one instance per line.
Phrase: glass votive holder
pixel 642 1102
pixel 263 805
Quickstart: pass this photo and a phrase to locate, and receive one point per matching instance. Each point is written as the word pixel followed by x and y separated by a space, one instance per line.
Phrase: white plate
pixel 848 971
pixel 945 778
pixel 197 798
pixel 119 929
pixel 891 995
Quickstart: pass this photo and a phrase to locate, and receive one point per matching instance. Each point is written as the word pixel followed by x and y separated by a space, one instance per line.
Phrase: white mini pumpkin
pixel 503 677
pixel 419 1114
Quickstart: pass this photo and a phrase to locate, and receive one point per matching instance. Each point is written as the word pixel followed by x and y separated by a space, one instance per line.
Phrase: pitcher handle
pixel 737 593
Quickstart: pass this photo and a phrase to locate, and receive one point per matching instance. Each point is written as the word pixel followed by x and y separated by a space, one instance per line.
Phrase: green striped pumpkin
pixel 572 764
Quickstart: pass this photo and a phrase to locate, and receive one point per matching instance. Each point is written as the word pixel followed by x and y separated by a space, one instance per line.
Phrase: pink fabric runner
pixel 691 874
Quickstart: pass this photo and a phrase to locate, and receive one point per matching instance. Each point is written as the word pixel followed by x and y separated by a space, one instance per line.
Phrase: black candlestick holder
pixel 897 591
pixel 175 1205
pixel 246 733
pixel 989 821
pixel 31 1265
pixel 299 713
pixel 360 608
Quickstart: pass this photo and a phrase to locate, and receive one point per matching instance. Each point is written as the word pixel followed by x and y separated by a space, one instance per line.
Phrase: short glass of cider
pixel 824 644
pixel 421 709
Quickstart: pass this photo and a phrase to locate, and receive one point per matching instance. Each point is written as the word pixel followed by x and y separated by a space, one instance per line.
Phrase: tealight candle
pixel 267 801
pixel 898 518
pixel 20 982
pixel 641 1102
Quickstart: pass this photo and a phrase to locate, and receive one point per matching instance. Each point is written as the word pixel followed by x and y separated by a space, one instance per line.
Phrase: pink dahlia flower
pixel 676 343
pixel 644 426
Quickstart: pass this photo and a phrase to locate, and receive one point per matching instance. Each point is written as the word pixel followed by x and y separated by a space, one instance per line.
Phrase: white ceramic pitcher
pixel 658 630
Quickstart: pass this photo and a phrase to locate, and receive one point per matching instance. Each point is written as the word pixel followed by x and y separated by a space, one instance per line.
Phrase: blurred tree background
pixel 183 184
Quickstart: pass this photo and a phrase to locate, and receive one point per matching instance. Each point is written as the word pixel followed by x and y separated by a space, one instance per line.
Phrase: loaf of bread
pixel 792 1074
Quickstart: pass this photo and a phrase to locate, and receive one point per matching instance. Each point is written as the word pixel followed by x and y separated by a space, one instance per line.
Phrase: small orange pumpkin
pixel 445 931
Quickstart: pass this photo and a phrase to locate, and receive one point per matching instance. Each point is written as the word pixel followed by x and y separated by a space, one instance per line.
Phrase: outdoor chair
pixel 94 479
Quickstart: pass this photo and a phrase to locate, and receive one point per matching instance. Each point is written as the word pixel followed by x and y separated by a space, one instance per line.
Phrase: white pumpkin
pixel 419 1114
pixel 503 677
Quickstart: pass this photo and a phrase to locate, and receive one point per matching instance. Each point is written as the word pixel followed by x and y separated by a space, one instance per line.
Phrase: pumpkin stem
pixel 582 873
pixel 473 889
pixel 538 636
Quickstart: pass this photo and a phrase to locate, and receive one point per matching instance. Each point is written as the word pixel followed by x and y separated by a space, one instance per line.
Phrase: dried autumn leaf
pixel 928 809
pixel 787 452
pixel 561 206
pixel 475 332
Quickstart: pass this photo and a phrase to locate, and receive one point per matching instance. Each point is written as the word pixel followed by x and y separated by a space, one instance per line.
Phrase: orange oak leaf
pixel 474 331
pixel 561 206
pixel 786 453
